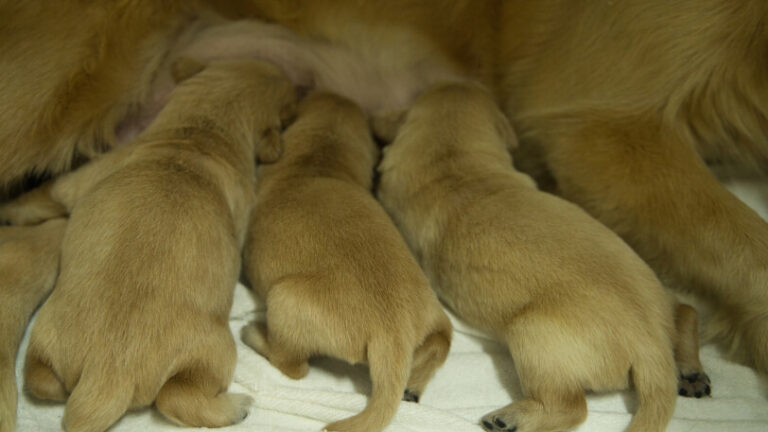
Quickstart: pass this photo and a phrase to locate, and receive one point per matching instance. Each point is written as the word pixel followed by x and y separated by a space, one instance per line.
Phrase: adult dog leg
pixel 651 187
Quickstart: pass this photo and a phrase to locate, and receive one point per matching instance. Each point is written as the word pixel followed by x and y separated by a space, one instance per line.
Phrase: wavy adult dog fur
pixel 620 104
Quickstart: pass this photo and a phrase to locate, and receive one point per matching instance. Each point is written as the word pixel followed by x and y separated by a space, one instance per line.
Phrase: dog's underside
pixel 618 105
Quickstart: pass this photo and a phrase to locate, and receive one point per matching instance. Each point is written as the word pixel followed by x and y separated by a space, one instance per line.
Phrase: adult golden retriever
pixel 621 103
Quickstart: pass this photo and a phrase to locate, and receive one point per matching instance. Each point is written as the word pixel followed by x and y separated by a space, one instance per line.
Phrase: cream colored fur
pixel 150 257
pixel 29 262
pixel 577 308
pixel 337 278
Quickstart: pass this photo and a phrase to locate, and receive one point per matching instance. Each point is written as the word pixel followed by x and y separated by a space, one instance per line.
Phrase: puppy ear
pixel 385 125
pixel 184 68
pixel 505 131
pixel 269 146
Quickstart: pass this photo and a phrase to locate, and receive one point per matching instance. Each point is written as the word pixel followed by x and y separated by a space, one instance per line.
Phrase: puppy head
pixel 255 91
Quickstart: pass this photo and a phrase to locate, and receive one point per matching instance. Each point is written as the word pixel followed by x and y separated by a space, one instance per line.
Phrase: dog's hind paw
pixel 695 384
pixel 495 423
pixel 410 396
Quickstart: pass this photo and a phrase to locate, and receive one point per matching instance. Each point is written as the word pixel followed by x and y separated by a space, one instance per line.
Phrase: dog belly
pixel 381 77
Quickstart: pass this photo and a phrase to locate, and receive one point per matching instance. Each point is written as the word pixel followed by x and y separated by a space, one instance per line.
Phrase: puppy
pixel 577 308
pixel 337 277
pixel 151 256
pixel 29 262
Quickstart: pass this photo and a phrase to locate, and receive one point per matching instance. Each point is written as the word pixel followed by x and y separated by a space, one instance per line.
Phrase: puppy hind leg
pixel 197 402
pixel 544 411
pixel 257 336
pixel 427 358
pixel 41 381
pixel 98 400
pixel 692 381
pixel 548 360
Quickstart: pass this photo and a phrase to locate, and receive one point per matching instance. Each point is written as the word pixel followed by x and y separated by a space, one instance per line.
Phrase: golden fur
pixel 337 277
pixel 29 262
pixel 618 105
pixel 577 308
pixel 151 256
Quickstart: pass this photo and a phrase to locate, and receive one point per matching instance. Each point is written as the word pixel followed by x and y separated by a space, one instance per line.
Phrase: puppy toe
pixel 696 384
pixel 499 422
pixel 410 396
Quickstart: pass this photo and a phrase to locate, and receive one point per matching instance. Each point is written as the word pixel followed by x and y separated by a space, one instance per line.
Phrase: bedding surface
pixel 478 377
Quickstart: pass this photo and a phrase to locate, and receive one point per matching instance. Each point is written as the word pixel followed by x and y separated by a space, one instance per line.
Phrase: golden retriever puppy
pixel 151 256
pixel 575 305
pixel 337 277
pixel 29 262
pixel 621 117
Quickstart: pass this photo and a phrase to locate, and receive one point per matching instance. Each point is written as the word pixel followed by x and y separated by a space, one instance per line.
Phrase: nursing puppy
pixel 577 308
pixel 337 277
pixel 151 256
pixel 29 262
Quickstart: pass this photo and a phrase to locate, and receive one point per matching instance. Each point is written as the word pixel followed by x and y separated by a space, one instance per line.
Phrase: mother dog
pixel 621 103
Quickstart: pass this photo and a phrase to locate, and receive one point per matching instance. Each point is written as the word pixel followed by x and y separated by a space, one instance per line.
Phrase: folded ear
pixel 184 68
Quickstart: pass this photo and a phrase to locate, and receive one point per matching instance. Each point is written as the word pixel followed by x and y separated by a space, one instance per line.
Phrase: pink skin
pixel 374 84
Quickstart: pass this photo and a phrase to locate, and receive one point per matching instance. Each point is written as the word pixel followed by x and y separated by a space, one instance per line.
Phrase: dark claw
pixel 682 392
pixel 698 395
pixel 487 425
pixel 500 423
pixel 409 396
pixel 708 390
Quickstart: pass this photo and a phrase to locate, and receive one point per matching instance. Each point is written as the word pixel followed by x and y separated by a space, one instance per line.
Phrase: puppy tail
pixel 7 395
pixel 390 365
pixel 655 380
pixel 97 402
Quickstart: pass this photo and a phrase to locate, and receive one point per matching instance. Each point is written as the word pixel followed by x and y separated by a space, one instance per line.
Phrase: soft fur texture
pixel 29 262
pixel 336 276
pixel 618 104
pixel 578 309
pixel 151 256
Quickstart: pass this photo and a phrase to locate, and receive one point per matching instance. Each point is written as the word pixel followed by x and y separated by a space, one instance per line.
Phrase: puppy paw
pixel 241 404
pixel 694 384
pixel 499 422
pixel 410 396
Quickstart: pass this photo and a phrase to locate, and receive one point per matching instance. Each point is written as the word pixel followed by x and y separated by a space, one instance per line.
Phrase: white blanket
pixel 478 377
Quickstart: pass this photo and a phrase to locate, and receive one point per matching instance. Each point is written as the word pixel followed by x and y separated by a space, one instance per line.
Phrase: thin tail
pixel 97 402
pixel 655 380
pixel 390 364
